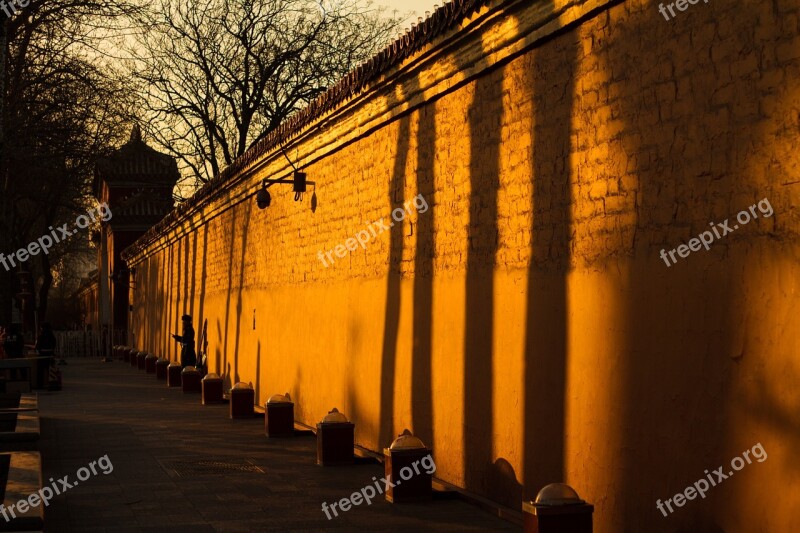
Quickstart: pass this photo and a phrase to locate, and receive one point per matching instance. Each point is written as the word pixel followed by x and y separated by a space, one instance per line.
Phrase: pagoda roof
pixel 136 163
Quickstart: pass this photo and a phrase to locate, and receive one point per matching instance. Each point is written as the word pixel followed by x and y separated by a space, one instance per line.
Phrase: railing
pixel 88 343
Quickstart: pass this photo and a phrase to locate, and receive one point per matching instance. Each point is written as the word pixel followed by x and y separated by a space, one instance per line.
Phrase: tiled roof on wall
pixel 439 22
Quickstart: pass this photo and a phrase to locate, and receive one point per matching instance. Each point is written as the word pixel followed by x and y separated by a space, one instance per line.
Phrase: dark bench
pixel 21 476
pixel 34 370
pixel 19 430
pixel 19 422
pixel 20 462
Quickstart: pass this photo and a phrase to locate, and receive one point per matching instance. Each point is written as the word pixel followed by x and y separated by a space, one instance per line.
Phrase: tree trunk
pixel 6 296
pixel 44 291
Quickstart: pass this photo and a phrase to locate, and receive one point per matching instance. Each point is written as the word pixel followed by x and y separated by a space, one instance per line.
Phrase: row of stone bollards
pixel 557 508
pixel 335 436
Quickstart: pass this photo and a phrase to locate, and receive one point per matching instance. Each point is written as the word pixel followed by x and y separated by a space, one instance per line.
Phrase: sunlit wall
pixel 520 319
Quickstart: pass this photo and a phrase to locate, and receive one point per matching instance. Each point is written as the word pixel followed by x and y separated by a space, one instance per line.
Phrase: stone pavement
pixel 144 428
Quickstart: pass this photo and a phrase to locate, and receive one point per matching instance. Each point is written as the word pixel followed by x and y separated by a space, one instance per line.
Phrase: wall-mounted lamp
pixel 119 276
pixel 263 198
pixel 299 184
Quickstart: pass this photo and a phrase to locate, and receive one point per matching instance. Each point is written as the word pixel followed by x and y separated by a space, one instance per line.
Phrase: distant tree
pixel 218 76
pixel 62 109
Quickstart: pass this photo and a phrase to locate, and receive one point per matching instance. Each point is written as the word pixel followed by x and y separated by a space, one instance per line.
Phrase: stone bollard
pixel 150 363
pixel 242 401
pixel 174 374
pixel 557 509
pixel 212 389
pixel 161 368
pixel 335 440
pixel 132 354
pixel 190 380
pixel 402 466
pixel 140 357
pixel 279 416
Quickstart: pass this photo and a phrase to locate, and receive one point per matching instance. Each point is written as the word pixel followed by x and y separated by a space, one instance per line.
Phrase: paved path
pixel 144 427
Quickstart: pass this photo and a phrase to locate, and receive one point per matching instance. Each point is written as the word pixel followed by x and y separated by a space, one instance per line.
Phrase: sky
pixel 419 7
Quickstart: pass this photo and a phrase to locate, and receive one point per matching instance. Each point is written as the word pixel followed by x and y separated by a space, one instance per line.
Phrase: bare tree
pixel 219 76
pixel 65 122
pixel 61 112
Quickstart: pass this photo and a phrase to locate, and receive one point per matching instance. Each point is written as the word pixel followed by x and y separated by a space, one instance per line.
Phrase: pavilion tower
pixel 137 183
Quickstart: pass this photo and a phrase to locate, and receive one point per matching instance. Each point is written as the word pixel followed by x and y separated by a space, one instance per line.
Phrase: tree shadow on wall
pixel 237 286
pixel 392 310
pixel 551 71
pixel 421 372
pixel 485 118
pixel 153 323
pixel 421 386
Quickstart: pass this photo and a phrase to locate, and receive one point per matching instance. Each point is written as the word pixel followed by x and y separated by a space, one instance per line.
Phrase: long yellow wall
pixel 524 325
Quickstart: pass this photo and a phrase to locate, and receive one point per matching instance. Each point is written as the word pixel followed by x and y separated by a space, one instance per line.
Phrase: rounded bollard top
pixel 143 353
pixel 407 441
pixel 242 386
pixel 211 376
pixel 189 370
pixel 152 356
pixel 280 398
pixel 174 363
pixel 557 494
pixel 334 417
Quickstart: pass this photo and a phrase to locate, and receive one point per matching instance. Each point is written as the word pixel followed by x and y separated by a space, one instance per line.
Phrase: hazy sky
pixel 404 6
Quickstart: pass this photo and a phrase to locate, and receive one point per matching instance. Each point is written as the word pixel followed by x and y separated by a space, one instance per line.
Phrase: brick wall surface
pixel 524 325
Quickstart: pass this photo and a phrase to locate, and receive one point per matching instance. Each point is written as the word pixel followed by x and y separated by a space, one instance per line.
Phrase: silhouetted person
pixel 188 357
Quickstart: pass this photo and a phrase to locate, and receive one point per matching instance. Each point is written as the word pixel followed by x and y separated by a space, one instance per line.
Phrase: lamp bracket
pixel 298 181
